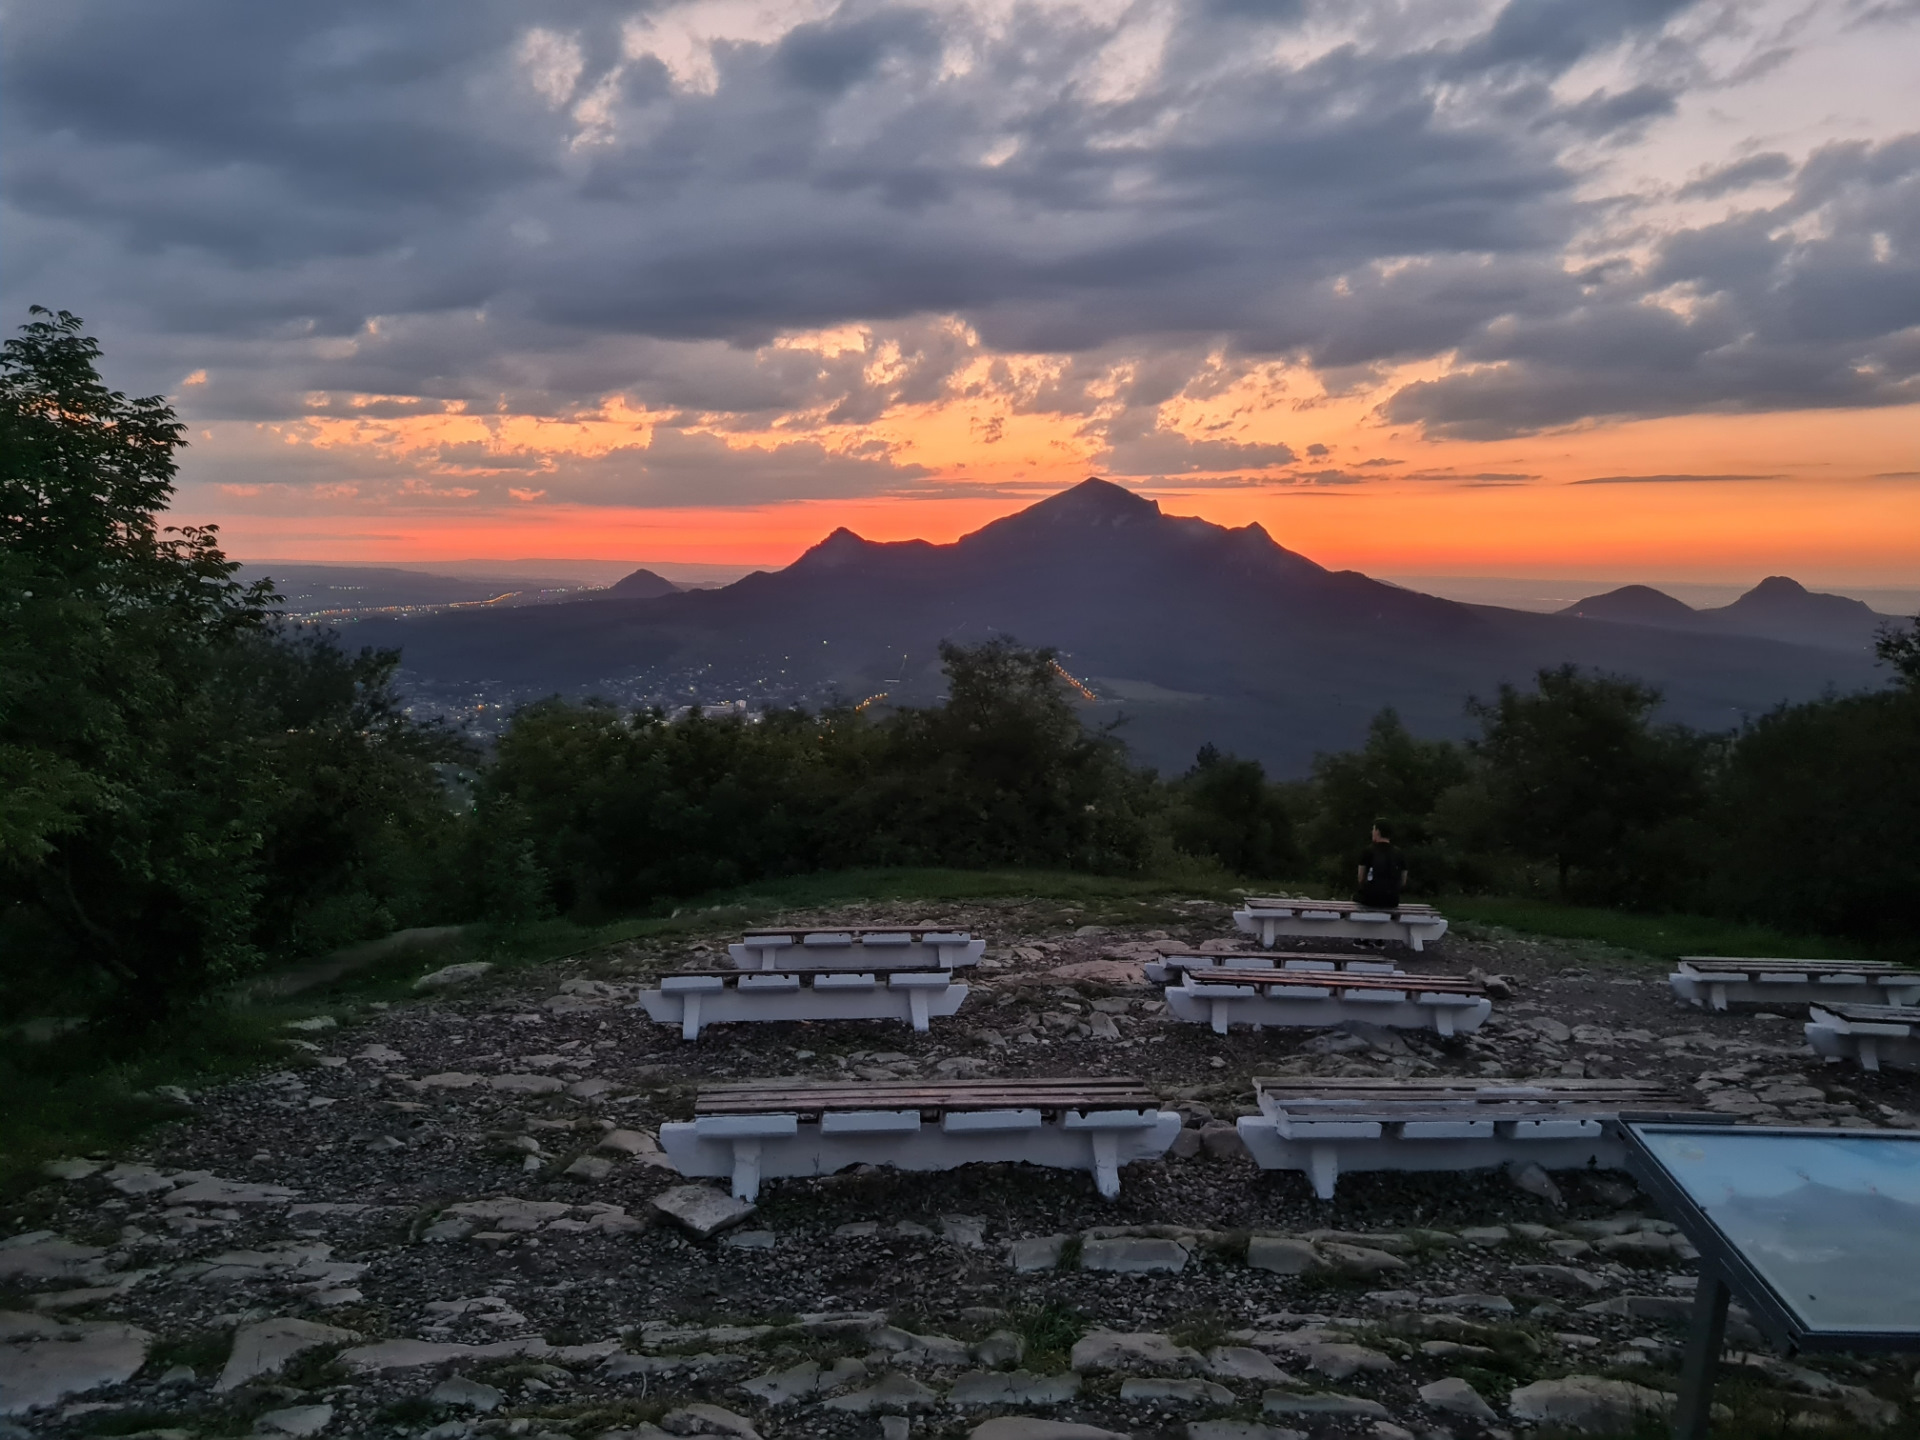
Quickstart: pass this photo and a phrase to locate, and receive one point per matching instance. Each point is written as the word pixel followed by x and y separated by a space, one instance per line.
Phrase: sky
pixel 1550 287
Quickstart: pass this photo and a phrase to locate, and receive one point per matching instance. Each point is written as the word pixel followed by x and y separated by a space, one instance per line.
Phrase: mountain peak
pixel 1095 502
pixel 1776 587
pixel 642 584
pixel 841 547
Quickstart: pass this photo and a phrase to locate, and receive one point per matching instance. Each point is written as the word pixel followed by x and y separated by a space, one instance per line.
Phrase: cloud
pixel 1666 479
pixel 1740 175
pixel 1167 452
pixel 801 218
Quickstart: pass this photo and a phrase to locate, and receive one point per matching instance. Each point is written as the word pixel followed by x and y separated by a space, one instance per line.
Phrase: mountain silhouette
pixel 1193 631
pixel 640 585
pixel 1778 608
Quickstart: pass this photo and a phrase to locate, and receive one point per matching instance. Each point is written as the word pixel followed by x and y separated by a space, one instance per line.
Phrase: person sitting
pixel 1381 872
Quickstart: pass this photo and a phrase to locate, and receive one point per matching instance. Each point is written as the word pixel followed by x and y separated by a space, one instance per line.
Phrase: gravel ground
pixel 328 1193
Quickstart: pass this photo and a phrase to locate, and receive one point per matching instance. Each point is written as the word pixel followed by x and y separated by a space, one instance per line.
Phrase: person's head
pixel 1382 833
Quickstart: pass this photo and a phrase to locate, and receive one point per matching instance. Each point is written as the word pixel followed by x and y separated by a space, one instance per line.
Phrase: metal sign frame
pixel 1726 1271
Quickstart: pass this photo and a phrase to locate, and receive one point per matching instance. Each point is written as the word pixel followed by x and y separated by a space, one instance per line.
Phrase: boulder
pixel 452 976
pixel 514 1084
pixel 783 1387
pixel 1130 1256
pixel 1242 1362
pixel 1038 1252
pixel 458 1392
pixel 702 1209
pixel 1012 1387
pixel 893 1392
pixel 1133 1350
pixel 1283 1256
pixel 45 1360
pixel 1453 1396
pixel 1030 1427
pixel 1221 1140
pixel 1287 1402
pixel 1588 1403
pixel 263 1347
pixel 1360 1260
pixel 298 1421
pixel 703 1419
pixel 1180 1392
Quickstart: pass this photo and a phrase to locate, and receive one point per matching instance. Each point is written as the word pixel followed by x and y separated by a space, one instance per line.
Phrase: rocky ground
pixel 439 1219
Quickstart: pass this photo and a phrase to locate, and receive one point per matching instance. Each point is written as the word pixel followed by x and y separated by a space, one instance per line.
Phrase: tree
pixel 1223 807
pixel 1579 775
pixel 1394 777
pixel 1818 817
pixel 1004 773
pixel 157 729
pixel 1901 650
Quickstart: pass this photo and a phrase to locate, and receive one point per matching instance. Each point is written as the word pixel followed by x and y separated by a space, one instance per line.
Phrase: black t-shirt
pixel 1380 870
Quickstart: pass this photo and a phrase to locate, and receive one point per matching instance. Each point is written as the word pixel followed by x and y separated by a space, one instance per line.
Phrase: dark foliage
pixel 617 811
pixel 184 784
pixel 1225 808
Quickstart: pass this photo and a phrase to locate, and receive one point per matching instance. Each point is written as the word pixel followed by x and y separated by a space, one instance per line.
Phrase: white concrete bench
pixel 769 1129
pixel 1867 1034
pixel 1224 997
pixel 1267 920
pixel 858 948
pixel 1322 1127
pixel 1172 967
pixel 693 999
pixel 1717 982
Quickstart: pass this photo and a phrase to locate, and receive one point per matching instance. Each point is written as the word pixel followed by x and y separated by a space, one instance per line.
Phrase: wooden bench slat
pixel 1463 1085
pixel 764 1097
pixel 1753 964
pixel 852 967
pixel 1337 980
pixel 1888 1014
pixel 801 932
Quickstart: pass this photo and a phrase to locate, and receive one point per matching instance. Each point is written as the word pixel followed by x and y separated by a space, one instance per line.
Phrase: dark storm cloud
pixel 1768 312
pixel 473 201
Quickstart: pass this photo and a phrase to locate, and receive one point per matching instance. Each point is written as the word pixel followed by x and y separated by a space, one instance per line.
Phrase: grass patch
pixel 1204 1332
pixel 82 1094
pixel 201 1352
pixel 1665 937
pixel 1050 1332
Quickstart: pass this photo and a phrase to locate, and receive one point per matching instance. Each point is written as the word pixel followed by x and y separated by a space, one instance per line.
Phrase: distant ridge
pixel 1194 632
pixel 1778 608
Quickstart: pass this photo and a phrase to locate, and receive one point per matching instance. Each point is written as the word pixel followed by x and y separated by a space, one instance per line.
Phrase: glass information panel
pixel 1830 1221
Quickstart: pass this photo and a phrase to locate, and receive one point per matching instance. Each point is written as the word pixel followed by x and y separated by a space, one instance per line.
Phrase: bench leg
pixel 1268 930
pixel 1220 1012
pixel 1443 1022
pixel 746 1170
pixel 1106 1163
pixel 690 1017
pixel 1868 1051
pixel 1323 1169
pixel 1413 939
pixel 1717 997
pixel 917 1007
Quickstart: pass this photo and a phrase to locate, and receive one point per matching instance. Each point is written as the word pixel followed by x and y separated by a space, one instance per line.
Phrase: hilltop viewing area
pixel 868 720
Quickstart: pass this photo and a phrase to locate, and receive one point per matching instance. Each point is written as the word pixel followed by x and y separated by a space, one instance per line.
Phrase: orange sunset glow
pixel 1499 289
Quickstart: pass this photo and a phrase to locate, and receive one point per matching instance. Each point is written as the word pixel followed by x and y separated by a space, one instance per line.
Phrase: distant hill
pixel 1635 605
pixel 1194 631
pixel 640 585
pixel 349 590
pixel 1776 609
